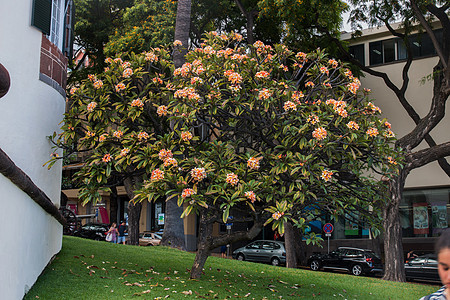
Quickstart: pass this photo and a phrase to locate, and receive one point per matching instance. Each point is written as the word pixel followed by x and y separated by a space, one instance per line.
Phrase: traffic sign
pixel 328 228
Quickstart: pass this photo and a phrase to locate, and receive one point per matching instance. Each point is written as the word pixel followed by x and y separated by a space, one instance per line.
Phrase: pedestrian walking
pixel 122 229
pixel 111 234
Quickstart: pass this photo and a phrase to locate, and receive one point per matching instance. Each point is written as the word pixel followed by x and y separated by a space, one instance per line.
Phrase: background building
pixel 34 38
pixel 425 209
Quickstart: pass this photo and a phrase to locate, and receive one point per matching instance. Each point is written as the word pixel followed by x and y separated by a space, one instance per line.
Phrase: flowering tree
pixel 262 133
pixel 111 120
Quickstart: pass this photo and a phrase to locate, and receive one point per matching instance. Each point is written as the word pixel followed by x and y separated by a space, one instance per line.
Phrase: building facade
pixel 34 39
pixel 425 208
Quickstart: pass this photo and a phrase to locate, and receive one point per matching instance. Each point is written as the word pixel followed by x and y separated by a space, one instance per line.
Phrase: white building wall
pixel 29 112
pixel 419 94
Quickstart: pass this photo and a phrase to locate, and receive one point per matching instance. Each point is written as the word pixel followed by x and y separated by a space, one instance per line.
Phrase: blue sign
pixel 328 228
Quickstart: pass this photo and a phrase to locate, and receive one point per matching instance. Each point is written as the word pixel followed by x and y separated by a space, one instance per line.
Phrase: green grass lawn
pixel 86 269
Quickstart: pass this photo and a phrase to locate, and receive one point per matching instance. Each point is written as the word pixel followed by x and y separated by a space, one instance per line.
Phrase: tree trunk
pixel 173 226
pixel 203 247
pixel 289 243
pixel 134 214
pixel 294 246
pixel 394 268
pixel 134 210
pixel 182 26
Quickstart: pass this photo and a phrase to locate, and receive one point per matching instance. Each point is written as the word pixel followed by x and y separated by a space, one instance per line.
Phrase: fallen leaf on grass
pixel 187 292
pixel 70 270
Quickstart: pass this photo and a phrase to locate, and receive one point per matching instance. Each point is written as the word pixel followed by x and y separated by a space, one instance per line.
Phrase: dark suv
pixel 355 260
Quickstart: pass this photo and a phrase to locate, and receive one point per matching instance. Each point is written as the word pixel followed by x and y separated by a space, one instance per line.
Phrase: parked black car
pixel 265 251
pixel 93 231
pixel 424 267
pixel 354 260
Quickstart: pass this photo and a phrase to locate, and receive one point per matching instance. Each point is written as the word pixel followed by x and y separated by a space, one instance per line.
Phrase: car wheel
pixel 315 265
pixel 357 270
pixel 149 244
pixel 275 261
pixel 240 257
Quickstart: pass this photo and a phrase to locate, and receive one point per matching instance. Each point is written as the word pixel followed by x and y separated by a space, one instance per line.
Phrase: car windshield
pixel 157 236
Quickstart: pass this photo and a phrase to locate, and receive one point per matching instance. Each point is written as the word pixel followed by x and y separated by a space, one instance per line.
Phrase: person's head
pixel 123 222
pixel 113 224
pixel 443 253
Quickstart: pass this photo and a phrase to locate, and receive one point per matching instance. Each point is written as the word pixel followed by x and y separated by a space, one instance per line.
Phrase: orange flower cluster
pixel 339 107
pixel 198 174
pixel 277 215
pixel 195 80
pixel 309 84
pixel 118 134
pixel 127 72
pixel 162 110
pixel 90 134
pixel 391 160
pixel 233 77
pixel 73 90
pixel 319 133
pixel 126 65
pixel 157 174
pixel 387 124
pixel 353 125
pixel 264 94
pixel 106 158
pixel 326 175
pixel 91 106
pixel 333 63
pixel 124 151
pixel 289 105
pixel 143 135
pixel 389 133
pixel 165 154
pixel 258 44
pixel 239 57
pixel 120 87
pixel 170 162
pixel 296 96
pixel 372 131
pixel 301 56
pixel 372 108
pixel 150 56
pixel 183 71
pixel 98 84
pixel 187 92
pixel 251 196
pixel 186 136
pixel 232 179
pixel 137 103
pixel 188 193
pixel 253 163
pixel 92 77
pixel 103 137
pixel 324 70
pixel 177 43
pixel 262 74
pixel 157 80
pixel 313 119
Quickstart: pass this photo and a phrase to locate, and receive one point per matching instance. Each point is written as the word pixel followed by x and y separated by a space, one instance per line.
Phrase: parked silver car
pixel 265 251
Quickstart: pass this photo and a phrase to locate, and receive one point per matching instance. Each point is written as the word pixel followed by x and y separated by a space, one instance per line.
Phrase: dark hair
pixel 444 241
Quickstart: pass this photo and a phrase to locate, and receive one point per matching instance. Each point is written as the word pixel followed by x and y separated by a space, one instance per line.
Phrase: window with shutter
pixel 42 15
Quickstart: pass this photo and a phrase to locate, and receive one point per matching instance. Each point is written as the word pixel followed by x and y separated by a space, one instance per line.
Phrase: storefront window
pixel 424 213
